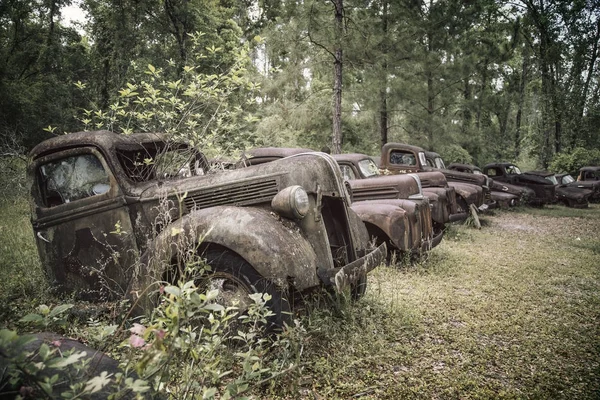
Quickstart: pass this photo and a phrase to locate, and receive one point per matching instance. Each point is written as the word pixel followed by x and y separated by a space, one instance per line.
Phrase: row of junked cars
pixel 116 215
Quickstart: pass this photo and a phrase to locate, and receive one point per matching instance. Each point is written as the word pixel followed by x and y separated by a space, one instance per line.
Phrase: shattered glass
pixel 73 178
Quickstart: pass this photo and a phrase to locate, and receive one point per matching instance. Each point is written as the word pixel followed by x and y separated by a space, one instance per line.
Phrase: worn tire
pixel 234 272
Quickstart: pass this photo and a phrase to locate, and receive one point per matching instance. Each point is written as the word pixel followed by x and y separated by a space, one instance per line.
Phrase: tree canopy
pixel 483 80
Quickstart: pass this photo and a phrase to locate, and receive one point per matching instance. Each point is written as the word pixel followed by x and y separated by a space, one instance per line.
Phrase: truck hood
pixel 433 179
pixel 315 172
pixel 386 187
pixel 457 176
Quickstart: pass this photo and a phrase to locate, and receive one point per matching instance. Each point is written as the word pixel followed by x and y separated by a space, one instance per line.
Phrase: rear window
pixel 402 157
pixel 156 161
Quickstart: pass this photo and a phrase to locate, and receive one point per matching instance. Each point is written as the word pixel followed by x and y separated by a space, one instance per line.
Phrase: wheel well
pixel 174 272
pixel 379 234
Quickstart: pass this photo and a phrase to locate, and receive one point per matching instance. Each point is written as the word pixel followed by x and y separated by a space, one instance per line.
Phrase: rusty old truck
pixel 368 184
pixel 393 208
pixel 588 178
pixel 543 190
pixel 117 215
pixel 504 194
pixel 399 158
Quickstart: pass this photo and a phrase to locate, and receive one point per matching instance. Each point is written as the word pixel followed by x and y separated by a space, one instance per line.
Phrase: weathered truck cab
pixel 543 190
pixel 114 215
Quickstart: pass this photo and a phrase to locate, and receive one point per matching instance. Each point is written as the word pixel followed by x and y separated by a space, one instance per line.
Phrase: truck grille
pixel 239 194
pixel 375 193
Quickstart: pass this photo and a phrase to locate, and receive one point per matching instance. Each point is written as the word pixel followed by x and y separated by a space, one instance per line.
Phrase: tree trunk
pixel 383 110
pixel 336 141
pixel 522 86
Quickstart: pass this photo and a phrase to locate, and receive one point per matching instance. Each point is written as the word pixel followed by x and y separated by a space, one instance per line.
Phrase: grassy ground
pixel 508 311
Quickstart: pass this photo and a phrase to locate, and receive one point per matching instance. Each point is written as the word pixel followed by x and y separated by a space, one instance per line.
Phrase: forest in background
pixel 477 81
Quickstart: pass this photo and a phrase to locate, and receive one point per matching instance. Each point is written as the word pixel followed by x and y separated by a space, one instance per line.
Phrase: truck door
pixel 81 224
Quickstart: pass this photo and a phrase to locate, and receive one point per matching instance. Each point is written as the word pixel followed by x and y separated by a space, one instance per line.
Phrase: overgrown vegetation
pixel 508 311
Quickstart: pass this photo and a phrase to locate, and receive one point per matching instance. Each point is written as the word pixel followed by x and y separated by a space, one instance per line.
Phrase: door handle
pixel 39 234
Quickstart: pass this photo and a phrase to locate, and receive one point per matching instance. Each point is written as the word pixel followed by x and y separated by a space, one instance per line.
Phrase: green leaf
pixel 31 318
pixel 97 383
pixel 173 290
pixel 209 393
pixel 60 309
pixel 65 361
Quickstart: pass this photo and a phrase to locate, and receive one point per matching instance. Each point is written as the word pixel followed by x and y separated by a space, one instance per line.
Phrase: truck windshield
pixel 513 170
pixel 439 163
pixel 160 160
pixel 368 168
pixel 567 179
pixel 552 179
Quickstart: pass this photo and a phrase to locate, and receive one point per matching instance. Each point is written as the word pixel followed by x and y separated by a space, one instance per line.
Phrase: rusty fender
pixel 471 193
pixel 261 237
pixel 391 219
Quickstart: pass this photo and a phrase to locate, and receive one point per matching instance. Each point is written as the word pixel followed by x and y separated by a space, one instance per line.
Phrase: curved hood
pixel 315 172
pixel 385 187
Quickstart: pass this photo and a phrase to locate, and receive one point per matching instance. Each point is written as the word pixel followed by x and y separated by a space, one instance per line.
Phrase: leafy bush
pixel 456 153
pixel 572 161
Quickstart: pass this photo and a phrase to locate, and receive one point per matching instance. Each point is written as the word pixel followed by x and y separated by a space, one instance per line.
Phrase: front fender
pixel 392 220
pixel 471 193
pixel 274 246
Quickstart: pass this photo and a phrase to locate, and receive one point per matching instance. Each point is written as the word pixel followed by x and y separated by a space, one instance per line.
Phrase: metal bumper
pixel 351 273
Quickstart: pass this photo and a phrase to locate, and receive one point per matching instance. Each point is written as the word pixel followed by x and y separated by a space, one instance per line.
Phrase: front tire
pixel 236 279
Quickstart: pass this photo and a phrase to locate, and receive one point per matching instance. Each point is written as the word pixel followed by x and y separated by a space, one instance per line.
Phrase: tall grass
pixel 22 279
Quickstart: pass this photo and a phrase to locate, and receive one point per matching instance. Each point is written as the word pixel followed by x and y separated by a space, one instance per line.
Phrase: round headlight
pixel 291 202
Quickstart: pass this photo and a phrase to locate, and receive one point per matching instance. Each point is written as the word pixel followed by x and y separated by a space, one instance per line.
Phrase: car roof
pixel 386 147
pixel 498 164
pixel 467 166
pixel 590 168
pixel 351 157
pixel 280 152
pixel 540 173
pixel 101 139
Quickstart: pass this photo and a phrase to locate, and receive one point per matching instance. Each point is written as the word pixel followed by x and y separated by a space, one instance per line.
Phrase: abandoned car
pixel 399 158
pixel 394 211
pixel 368 184
pixel 570 196
pixel 569 181
pixel 543 190
pixel 119 214
pixel 589 178
pixel 504 194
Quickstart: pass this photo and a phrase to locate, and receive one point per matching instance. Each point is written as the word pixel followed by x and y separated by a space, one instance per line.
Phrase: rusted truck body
pixel 368 184
pixel 394 210
pixel 504 194
pixel 543 190
pixel 399 158
pixel 588 178
pixel 115 215
pixel 570 196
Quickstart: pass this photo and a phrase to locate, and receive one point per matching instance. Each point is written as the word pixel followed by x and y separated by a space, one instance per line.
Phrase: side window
pixel 400 157
pixel 72 178
pixel 492 172
pixel 347 172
